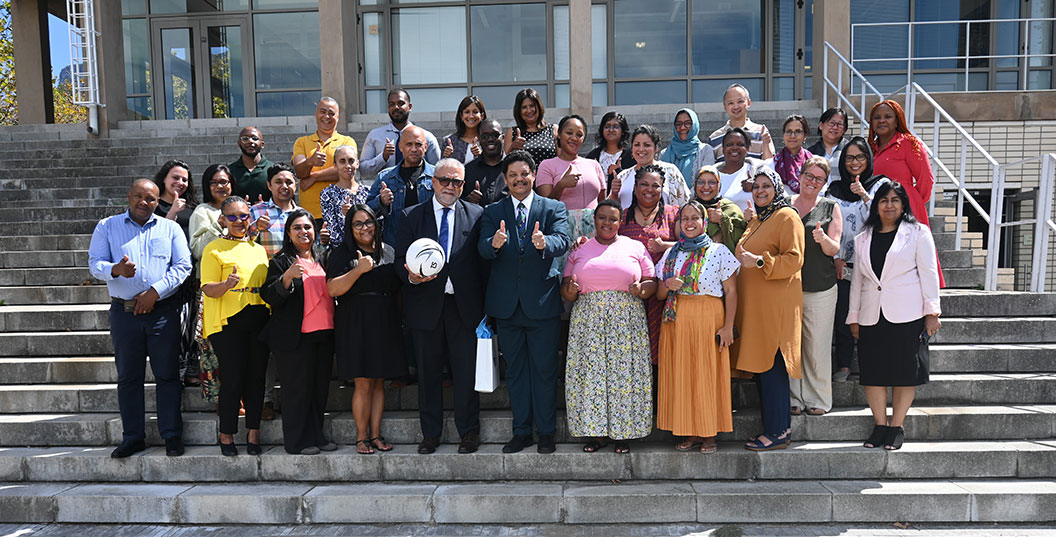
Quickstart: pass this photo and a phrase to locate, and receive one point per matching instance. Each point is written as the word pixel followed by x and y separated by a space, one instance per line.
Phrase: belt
pixel 131 303
pixel 246 290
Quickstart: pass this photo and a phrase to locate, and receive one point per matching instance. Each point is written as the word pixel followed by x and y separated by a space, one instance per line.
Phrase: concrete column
pixel 110 49
pixel 29 29
pixel 832 23
pixel 579 51
pixel 339 46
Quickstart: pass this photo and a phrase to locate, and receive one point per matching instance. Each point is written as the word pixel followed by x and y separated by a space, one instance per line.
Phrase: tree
pixel 8 105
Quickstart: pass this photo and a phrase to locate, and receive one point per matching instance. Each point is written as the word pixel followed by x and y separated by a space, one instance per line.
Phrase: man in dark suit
pixel 524 235
pixel 442 311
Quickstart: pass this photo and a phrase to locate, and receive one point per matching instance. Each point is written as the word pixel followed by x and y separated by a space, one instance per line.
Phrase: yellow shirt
pixel 305 145
pixel 218 260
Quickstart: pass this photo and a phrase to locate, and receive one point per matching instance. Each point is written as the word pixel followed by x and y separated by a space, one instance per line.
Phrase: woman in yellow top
pixel 233 271
pixel 770 304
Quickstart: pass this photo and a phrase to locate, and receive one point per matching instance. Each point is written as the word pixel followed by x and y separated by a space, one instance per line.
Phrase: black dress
pixel 366 320
pixel 888 352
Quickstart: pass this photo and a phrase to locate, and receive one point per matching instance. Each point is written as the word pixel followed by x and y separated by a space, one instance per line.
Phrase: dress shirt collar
pixel 527 201
pixel 437 206
pixel 150 221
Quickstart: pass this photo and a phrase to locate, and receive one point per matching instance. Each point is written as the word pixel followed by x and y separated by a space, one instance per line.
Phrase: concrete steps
pixel 941 500
pixel 930 423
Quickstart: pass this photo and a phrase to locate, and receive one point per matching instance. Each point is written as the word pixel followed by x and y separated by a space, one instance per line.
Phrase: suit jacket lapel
pixel 430 222
pixel 863 258
pixel 461 226
pixel 899 242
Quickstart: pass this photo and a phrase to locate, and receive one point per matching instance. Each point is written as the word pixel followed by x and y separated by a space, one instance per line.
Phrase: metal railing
pixel 1043 206
pixel 1025 57
pixel 84 65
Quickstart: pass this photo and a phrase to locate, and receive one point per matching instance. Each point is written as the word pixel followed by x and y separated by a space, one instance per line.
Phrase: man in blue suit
pixel 523 236
pixel 402 186
pixel 442 311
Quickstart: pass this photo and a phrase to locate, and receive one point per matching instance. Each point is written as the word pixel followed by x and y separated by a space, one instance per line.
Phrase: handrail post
pixel 825 76
pixel 993 246
pixel 1043 211
pixel 1026 54
pixel 967 52
pixel 960 189
pixel 909 61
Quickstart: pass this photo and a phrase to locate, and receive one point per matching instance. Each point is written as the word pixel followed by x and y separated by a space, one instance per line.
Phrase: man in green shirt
pixel 250 173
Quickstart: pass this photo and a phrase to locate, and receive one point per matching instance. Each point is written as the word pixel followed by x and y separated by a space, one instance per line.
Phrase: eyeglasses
pixel 613 127
pixel 807 176
pixel 797 132
pixel 246 139
pixel 450 181
pixel 683 124
pixel 706 182
pixel 360 226
pixel 222 182
pixel 836 125
pixel 236 217
pixel 860 157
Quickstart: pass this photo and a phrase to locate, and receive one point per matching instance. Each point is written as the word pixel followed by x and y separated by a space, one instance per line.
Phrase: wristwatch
pixel 759 262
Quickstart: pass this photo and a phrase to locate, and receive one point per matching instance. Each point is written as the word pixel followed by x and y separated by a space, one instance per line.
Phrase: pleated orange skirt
pixel 693 393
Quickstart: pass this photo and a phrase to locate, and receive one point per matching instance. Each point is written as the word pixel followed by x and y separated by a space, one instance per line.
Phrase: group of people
pixel 703 262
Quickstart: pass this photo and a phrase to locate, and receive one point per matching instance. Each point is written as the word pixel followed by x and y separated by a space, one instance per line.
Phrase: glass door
pixel 205 67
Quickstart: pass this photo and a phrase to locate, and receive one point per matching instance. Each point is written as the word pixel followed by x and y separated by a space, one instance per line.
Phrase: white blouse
pixel 719 265
pixel 675 191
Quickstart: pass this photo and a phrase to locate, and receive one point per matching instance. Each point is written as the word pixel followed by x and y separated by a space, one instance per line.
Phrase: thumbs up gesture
pixel 178 205
pixel 263 223
pixel 636 289
pixel 614 188
pixel 749 212
pixel 364 263
pixel 448 149
pixel 858 189
pixel 390 149
pixel 346 204
pixel 385 195
pixel 714 215
pixel 656 246
pixel 538 239
pixel 819 234
pixel 573 286
pixel 295 272
pixel 499 239
pixel 324 235
pixel 570 178
pixel 475 147
pixel 260 198
pixel 318 158
pixel 747 259
pixel 518 141
pixel 124 268
pixel 673 283
pixel 232 279
pixel 475 195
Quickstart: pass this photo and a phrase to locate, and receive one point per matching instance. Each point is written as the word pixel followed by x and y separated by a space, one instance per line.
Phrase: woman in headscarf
pixel 789 161
pixel 852 193
pixel 770 305
pixel 725 219
pixel 686 151
pixel 693 390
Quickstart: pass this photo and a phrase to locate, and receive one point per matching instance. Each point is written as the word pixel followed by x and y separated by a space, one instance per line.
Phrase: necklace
pixel 647 219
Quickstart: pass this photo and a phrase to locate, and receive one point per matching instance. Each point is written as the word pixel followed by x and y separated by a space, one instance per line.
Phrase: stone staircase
pixel 981 438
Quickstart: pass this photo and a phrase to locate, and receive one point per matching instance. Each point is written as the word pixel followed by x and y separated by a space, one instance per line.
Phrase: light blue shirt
pixel 374 147
pixel 158 248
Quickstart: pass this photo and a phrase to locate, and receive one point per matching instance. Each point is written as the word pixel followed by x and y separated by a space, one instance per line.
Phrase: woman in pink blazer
pixel 894 309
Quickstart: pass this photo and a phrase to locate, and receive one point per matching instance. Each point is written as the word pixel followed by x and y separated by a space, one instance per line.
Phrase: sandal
pixel 795 410
pixel 814 411
pixel 709 447
pixel 385 446
pixel 623 447
pixel 776 442
pixel 363 447
pixel 877 438
pixel 594 445
pixel 688 445
pixel 895 437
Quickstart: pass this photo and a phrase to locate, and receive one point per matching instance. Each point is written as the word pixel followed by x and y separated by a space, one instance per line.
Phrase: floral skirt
pixel 209 366
pixel 608 380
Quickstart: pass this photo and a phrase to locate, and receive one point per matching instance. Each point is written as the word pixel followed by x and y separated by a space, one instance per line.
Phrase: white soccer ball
pixel 425 257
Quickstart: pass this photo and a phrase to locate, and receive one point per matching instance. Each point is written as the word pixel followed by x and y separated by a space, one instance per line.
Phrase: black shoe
pixel 517 443
pixel 546 444
pixel 228 450
pixel 253 449
pixel 174 446
pixel 428 445
pixel 895 437
pixel 128 448
pixel 470 443
pixel 877 438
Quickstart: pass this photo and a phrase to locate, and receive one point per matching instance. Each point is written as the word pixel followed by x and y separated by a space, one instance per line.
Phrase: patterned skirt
pixel 608 380
pixel 209 366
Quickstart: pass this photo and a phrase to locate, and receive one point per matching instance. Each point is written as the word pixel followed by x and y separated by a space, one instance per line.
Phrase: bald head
pixel 142 199
pixel 250 141
pixel 413 146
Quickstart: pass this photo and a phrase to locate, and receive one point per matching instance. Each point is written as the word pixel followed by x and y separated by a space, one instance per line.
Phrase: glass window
pixel 1008 32
pixel 728 37
pixel 649 38
pixel 429 45
pixel 808 46
pixel 501 97
pixel 373 51
pixel 133 7
pixel 178 72
pixel 1040 37
pixel 226 89
pixel 286 48
pixel 1006 80
pixel 784 89
pixel 1039 80
pixel 784 32
pixel 163 7
pixel 287 103
pixel 140 108
pixel 711 91
pixel 598 42
pixel 650 92
pixel 952 39
pixel 285 4
pixel 377 101
pixel 509 42
pixel 880 41
pixel 438 99
pixel 562 98
pixel 137 56
pixel 599 95
pixel 808 87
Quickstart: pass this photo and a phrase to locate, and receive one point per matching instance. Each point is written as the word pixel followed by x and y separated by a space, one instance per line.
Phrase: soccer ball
pixel 425 257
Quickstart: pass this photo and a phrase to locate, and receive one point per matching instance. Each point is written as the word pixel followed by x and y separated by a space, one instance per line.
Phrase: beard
pixel 251 153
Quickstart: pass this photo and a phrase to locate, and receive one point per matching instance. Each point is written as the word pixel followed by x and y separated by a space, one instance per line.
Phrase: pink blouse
pixel 318 304
pixel 591 181
pixel 612 267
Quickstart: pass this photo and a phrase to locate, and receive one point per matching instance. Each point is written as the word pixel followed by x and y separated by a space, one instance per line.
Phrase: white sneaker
pixel 841 376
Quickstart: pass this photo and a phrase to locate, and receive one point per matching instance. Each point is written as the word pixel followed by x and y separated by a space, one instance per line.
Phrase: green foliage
pixel 8 106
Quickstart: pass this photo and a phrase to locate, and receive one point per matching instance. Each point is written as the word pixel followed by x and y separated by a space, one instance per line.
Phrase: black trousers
pixel 305 374
pixel 454 344
pixel 243 359
pixel 156 334
pixel 842 331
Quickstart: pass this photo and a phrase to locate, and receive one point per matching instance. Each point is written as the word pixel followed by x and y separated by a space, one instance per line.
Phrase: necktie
pixel 522 222
pixel 444 231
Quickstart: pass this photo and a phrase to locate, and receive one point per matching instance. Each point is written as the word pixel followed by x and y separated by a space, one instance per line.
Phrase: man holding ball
pixel 444 309
pixel 523 236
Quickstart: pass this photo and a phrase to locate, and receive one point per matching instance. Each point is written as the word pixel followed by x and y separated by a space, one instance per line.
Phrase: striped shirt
pixel 158 249
pixel 271 239
pixel 755 130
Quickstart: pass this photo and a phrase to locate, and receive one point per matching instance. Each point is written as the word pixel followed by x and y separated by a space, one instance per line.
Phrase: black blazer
pixel 423 303
pixel 283 331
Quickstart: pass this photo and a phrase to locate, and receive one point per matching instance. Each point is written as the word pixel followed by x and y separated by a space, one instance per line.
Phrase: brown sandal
pixel 814 411
pixel 363 447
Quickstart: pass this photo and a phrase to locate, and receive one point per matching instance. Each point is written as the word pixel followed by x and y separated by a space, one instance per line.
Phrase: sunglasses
pixel 236 217
pixel 450 181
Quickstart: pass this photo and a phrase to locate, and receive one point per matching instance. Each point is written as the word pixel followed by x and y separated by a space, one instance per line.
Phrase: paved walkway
pixel 682 530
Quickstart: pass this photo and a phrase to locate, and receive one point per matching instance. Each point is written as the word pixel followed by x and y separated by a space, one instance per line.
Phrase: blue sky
pixel 59 37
